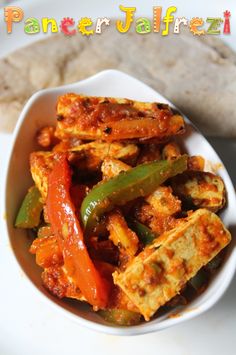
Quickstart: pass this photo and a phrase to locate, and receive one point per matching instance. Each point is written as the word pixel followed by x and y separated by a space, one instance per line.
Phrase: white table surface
pixel 28 325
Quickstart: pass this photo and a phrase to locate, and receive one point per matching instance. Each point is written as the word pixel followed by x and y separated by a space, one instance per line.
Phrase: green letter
pixel 143 25
pixel 31 26
pixel 214 25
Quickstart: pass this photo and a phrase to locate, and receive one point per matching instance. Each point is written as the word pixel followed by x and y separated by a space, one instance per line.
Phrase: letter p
pixel 12 14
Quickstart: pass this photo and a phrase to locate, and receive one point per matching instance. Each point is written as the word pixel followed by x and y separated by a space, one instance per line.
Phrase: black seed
pixel 60 117
pixel 106 101
pixel 86 103
pixel 107 130
pixel 161 106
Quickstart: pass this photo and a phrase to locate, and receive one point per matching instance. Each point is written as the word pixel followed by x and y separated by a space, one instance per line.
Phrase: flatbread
pixel 197 74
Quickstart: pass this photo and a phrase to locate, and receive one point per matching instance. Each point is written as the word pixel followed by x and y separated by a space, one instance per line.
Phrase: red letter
pixel 227 15
pixel 65 23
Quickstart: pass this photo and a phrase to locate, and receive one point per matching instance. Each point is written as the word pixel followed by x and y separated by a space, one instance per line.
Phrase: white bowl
pixel 40 111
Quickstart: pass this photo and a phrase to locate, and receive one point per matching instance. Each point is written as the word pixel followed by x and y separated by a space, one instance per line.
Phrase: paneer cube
pixel 164 202
pixel 159 272
pixel 113 119
pixel 200 189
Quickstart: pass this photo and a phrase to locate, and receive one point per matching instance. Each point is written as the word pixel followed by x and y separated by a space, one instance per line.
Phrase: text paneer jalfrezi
pixel 124 220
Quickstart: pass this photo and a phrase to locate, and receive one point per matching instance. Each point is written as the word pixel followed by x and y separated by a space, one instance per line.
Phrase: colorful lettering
pixel 100 22
pixel 83 24
pixel 32 26
pixel 178 22
pixel 168 19
pixel 157 18
pixel 46 21
pixel 12 14
pixel 65 23
pixel 194 24
pixel 227 15
pixel 143 25
pixel 214 25
pixel 129 13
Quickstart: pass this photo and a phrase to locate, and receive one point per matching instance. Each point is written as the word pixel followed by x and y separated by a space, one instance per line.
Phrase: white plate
pixel 40 111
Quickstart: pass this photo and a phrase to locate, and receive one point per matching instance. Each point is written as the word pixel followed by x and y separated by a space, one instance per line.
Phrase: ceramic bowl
pixel 40 111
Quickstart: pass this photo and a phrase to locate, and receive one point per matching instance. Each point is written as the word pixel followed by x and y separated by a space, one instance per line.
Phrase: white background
pixel 30 326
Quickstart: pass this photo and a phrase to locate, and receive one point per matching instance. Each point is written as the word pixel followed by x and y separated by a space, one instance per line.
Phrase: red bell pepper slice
pixel 66 226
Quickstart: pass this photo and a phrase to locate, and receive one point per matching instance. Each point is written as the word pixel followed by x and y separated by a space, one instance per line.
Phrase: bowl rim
pixel 144 328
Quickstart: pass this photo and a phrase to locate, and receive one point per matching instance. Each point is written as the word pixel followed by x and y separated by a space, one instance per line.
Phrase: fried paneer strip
pixel 121 235
pixel 46 137
pixel 171 151
pixel 162 199
pixel 201 189
pixel 112 119
pixel 90 156
pixel 86 156
pixel 159 272
pixel 41 164
pixel 164 202
pixel 159 210
pixel 54 277
pixel 196 162
pixel 67 144
pixel 112 167
pixel 118 150
pixel 47 251
pixel 158 223
pixel 56 280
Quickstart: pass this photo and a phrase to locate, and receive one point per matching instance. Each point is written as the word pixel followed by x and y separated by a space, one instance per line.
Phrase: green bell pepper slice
pixel 127 186
pixel 30 210
pixel 145 234
pixel 199 280
pixel 215 263
pixel 121 317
